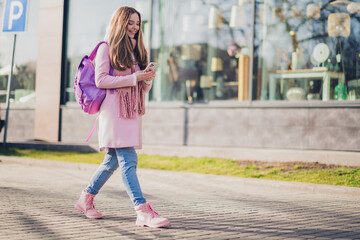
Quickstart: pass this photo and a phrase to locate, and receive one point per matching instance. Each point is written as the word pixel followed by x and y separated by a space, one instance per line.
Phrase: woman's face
pixel 133 25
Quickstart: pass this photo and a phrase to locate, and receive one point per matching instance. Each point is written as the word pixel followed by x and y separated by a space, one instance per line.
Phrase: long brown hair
pixel 120 44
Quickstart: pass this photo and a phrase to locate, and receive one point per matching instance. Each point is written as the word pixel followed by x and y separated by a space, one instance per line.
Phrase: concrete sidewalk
pixel 37 198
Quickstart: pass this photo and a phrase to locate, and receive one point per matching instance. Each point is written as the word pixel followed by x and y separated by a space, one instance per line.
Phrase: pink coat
pixel 114 131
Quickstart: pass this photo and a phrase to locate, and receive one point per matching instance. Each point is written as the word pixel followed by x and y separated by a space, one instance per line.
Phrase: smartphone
pixel 151 65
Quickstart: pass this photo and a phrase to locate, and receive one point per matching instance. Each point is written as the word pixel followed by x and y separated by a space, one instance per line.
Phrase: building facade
pixel 236 73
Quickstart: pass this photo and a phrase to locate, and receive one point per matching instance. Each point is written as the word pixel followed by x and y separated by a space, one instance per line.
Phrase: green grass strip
pixel 295 172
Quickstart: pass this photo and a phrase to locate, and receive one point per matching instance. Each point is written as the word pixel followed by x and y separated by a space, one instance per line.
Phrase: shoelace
pixel 90 203
pixel 153 213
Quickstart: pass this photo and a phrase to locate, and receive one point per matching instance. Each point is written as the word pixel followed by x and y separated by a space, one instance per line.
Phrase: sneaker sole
pixel 82 210
pixel 163 224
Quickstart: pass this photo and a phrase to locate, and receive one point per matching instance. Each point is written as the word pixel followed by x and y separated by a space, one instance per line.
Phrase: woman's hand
pixel 145 76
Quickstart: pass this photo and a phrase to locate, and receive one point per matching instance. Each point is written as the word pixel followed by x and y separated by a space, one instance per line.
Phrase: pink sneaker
pixel 146 216
pixel 85 204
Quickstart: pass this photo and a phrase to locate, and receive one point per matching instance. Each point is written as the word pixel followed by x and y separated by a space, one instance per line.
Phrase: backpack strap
pixel 91 58
pixel 93 53
pixel 93 130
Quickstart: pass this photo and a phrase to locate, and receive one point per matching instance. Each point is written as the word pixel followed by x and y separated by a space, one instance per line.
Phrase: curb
pixel 53 146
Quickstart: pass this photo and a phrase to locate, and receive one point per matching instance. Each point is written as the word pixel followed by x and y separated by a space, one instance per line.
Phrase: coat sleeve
pixel 102 68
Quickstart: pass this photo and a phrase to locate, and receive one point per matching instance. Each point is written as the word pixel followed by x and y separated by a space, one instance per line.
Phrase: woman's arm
pixel 147 85
pixel 102 69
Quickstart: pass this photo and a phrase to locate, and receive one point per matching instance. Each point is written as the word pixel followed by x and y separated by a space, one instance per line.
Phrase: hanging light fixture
pixel 339 25
pixel 215 18
pixel 238 15
pixel 353 7
pixel 296 12
pixel 313 10
pixel 340 3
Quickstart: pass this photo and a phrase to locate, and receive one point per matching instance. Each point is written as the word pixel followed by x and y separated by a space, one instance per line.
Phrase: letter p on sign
pixel 15 12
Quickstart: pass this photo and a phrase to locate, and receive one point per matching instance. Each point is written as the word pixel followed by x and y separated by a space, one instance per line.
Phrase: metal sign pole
pixel 9 91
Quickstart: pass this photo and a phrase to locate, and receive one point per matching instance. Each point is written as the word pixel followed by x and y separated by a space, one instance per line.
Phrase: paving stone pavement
pixel 37 198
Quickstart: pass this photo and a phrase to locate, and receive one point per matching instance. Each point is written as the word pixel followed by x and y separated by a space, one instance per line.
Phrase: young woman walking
pixel 120 113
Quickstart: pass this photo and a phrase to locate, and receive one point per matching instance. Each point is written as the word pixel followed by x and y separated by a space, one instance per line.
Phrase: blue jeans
pixel 126 158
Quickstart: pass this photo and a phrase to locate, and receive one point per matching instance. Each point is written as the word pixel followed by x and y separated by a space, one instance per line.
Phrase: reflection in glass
pixel 197 44
pixel 24 71
pixel 84 32
pixel 311 45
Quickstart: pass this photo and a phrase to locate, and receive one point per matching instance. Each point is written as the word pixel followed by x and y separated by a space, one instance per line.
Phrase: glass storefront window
pixel 23 82
pixel 202 50
pixel 307 50
pixel 87 23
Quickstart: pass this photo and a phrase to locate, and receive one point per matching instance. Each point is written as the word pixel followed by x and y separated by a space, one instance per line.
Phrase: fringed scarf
pixel 131 100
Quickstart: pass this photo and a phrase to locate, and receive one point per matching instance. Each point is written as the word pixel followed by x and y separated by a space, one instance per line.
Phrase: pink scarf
pixel 131 99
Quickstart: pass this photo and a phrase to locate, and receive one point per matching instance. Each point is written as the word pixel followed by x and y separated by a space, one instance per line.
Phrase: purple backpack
pixel 87 94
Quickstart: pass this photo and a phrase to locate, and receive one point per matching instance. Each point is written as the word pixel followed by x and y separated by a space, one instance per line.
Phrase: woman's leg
pixel 103 173
pixel 146 216
pixel 127 159
pixel 85 203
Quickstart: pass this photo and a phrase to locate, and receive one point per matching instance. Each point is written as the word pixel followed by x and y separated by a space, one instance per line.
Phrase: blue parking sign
pixel 15 18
